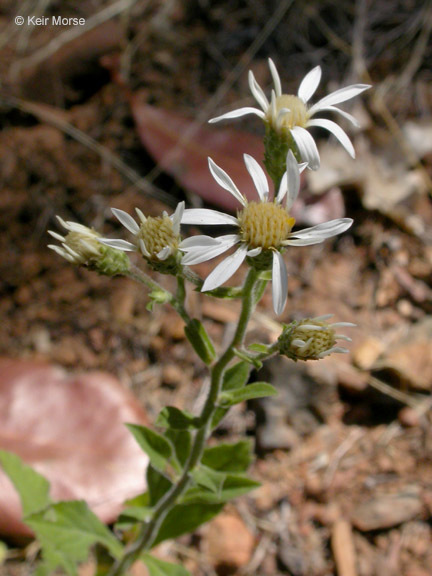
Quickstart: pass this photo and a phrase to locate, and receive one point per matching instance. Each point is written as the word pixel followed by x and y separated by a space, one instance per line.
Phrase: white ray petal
pixel 317 234
pixel 293 179
pixel 176 217
pixel 143 248
pixel 336 349
pixel 258 176
pixel 347 116
pixel 275 77
pixel 197 255
pixel 225 269
pixel 141 215
pixel 339 96
pixel 280 117
pixel 207 217
pixel 238 114
pixel 62 222
pixel 306 146
pixel 309 84
pixel 283 188
pixel 279 283
pixel 258 92
pixel 201 241
pixel 273 109
pixel 164 253
pixel 60 251
pixel 57 236
pixel 225 181
pixel 343 337
pixel 126 219
pixel 254 252
pixel 322 317
pixel 118 244
pixel 343 324
pixel 299 343
pixel 336 131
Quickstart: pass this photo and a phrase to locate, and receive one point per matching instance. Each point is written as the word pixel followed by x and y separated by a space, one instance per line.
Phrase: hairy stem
pixel 177 302
pixel 150 530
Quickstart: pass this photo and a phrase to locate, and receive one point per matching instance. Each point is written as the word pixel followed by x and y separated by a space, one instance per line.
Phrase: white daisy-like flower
pixel 312 338
pixel 157 238
pixel 263 229
pixel 79 246
pixel 290 113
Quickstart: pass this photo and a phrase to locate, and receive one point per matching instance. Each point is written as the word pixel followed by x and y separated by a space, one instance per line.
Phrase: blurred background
pixel 113 112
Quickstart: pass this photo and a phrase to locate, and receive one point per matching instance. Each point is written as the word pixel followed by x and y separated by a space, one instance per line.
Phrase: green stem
pixel 177 302
pixel 149 531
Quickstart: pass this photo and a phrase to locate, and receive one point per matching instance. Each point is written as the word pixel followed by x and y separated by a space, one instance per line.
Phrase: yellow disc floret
pixel 264 225
pixel 157 233
pixel 296 116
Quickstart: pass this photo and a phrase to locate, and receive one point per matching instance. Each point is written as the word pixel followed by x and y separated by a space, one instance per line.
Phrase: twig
pixel 340 452
pixel 393 393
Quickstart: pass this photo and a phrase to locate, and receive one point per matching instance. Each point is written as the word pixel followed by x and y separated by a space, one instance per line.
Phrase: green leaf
pixel 137 508
pixel 66 531
pixel 156 446
pixel 260 348
pixel 33 489
pixel 200 340
pixel 208 478
pixel 256 390
pixel 182 441
pixel 229 457
pixel 235 485
pixel 185 518
pixel 172 417
pixel 236 376
pixel 142 514
pixel 158 485
pixel 266 275
pixel 249 358
pixel 158 567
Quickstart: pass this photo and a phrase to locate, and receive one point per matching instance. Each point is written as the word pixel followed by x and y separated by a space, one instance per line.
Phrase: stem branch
pixel 149 531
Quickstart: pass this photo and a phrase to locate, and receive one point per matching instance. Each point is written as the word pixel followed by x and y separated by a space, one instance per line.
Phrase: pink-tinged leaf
pixel 70 429
pixel 181 147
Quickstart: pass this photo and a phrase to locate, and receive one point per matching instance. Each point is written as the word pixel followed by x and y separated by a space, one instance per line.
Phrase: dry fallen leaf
pixel 70 428
pixel 181 146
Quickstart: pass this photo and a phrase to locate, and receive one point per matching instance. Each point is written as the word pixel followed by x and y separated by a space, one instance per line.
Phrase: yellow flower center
pixel 321 340
pixel 157 233
pixel 297 115
pixel 264 224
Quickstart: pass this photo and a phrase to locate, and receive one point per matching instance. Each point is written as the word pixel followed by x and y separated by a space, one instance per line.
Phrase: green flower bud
pixel 311 339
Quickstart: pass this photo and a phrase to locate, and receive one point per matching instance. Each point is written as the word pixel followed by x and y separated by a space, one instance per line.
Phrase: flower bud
pixel 81 246
pixel 312 339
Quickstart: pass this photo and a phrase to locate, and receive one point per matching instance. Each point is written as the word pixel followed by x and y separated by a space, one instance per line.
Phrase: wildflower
pixel 289 116
pixel 264 229
pixel 312 339
pixel 81 246
pixel 157 238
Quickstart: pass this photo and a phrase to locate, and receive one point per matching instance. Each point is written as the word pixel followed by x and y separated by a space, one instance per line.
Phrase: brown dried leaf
pixel 181 146
pixel 71 430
